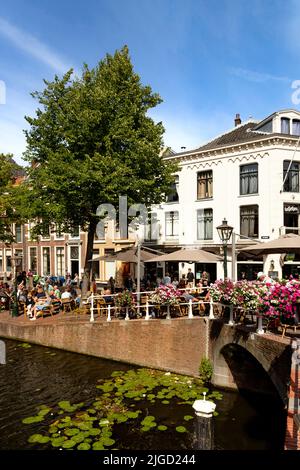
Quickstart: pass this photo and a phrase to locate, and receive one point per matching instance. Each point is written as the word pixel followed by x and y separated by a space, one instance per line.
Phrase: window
pixel 204 224
pixel 19 259
pixel 204 184
pixel 172 224
pixel 33 259
pixel 60 261
pixel 75 232
pixel 296 127
pixel 285 126
pixel 291 176
pixel 8 261
pixel 249 221
pixel 173 194
pixel 96 270
pixel 110 266
pixel 152 227
pixel 46 261
pixel 58 232
pixel 45 232
pixel 18 233
pixel 249 179
pixel 291 217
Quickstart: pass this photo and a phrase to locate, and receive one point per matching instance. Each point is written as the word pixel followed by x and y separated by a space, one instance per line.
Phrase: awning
pixel 126 256
pixel 186 255
pixel 289 243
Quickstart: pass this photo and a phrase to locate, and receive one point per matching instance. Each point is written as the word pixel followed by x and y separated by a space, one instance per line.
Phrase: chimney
pixel 237 120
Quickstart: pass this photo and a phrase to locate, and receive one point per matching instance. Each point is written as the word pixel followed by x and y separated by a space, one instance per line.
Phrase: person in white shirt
pixel 66 295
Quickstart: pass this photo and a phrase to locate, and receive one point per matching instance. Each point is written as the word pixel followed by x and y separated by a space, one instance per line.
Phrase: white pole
pixel 127 316
pixel 190 315
pixel 231 322
pixel 138 283
pixel 211 309
pixel 168 313
pixel 233 259
pixel 147 317
pixel 260 330
pixel 108 313
pixel 92 308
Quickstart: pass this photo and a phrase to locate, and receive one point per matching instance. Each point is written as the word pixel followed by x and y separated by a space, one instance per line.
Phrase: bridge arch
pixel 242 359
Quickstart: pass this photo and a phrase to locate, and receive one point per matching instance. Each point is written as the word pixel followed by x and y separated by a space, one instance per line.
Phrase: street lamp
pixel 225 231
pixel 17 262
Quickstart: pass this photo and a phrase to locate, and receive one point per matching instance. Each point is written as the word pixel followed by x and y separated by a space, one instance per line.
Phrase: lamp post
pixel 225 231
pixel 17 260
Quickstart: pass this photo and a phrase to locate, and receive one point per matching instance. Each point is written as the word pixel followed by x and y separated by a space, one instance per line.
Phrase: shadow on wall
pixel 256 386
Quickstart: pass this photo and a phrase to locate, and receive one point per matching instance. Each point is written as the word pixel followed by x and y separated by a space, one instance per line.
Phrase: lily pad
pixel 181 429
pixel 68 444
pixel 98 445
pixel 84 446
pixel 161 427
pixel 38 438
pixel 107 441
pixel 71 431
pixel 58 441
pixel 188 417
pixel 32 419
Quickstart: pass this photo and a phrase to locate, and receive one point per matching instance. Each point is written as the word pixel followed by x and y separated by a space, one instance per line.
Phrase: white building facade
pixel 250 176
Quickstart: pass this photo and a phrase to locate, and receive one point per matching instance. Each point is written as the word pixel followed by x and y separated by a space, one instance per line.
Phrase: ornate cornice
pixel 194 157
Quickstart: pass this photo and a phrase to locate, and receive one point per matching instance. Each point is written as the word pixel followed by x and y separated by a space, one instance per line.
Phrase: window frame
pixel 287 181
pixel 248 174
pixel 207 180
pixel 205 221
pixel 249 235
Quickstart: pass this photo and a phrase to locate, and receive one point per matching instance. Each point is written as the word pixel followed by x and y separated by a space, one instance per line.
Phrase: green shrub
pixel 205 370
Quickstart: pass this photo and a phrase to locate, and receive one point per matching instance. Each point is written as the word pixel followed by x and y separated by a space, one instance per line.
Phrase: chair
pixel 143 302
pixel 285 326
pixel 22 308
pixel 101 306
pixel 66 305
pixel 46 310
pixel 56 306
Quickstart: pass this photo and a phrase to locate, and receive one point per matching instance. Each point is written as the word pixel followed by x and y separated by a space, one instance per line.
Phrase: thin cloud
pixel 257 77
pixel 32 46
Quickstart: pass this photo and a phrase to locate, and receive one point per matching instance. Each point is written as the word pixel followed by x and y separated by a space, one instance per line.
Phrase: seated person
pixel 42 302
pixel 23 296
pixel 67 294
pixel 53 296
pixel 187 297
pixel 107 295
pixel 30 302
pixel 57 292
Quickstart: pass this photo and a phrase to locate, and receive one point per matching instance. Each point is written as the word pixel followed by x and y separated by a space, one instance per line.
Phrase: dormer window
pixel 285 126
pixel 296 127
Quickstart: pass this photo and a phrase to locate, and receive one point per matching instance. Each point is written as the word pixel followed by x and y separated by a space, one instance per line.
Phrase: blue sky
pixel 208 59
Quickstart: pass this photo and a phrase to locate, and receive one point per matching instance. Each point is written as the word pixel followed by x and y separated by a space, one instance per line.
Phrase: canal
pixel 35 375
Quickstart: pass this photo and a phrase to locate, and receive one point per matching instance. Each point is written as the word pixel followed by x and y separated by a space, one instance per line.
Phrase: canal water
pixel 42 376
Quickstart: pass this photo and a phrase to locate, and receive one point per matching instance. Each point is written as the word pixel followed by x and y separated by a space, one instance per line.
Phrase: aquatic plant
pixel 124 397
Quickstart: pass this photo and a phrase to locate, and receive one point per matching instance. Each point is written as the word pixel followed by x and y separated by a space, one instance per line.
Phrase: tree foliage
pixel 9 197
pixel 91 141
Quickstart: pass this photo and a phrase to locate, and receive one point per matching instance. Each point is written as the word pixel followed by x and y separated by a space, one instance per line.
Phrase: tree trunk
pixel 89 255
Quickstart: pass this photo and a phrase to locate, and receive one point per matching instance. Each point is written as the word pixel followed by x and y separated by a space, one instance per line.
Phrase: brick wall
pixel 177 345
pixel 292 437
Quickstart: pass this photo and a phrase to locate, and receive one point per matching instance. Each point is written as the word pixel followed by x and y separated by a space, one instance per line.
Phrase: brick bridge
pixel 238 353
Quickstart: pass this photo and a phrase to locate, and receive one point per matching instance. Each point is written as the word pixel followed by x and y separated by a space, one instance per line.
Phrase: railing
pixel 285 230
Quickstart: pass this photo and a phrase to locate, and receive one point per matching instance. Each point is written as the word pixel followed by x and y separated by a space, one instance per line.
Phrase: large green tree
pixel 91 141
pixel 10 211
